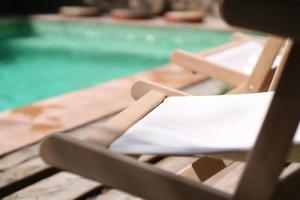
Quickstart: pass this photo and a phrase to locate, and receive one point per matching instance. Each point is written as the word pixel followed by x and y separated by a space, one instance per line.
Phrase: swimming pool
pixel 40 59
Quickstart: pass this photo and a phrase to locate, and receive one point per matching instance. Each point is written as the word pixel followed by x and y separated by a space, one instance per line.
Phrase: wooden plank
pixel 18 157
pixel 123 172
pixel 166 164
pixel 118 124
pixel 114 194
pixel 34 165
pixel 27 167
pixel 59 186
pixel 227 179
pixel 200 64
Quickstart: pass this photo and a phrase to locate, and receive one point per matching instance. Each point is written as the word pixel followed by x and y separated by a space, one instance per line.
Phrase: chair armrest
pixel 122 172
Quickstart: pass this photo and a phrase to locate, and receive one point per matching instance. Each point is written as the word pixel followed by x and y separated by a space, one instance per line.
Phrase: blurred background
pixel 12 7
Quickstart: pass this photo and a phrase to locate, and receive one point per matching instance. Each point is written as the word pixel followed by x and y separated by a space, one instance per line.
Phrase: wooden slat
pixel 201 65
pixel 18 157
pixel 142 87
pixel 118 124
pixel 122 171
pixel 25 169
pixel 256 80
pixel 279 71
pixel 227 179
pixel 58 186
pixel 114 194
pixel 27 166
pixel 66 186
pixel 166 164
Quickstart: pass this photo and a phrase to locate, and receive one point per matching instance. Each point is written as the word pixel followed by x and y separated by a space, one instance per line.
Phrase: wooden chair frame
pixel 199 64
pixel 117 170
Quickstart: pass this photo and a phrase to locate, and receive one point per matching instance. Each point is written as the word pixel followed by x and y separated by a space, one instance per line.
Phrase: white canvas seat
pixel 195 125
pixel 241 58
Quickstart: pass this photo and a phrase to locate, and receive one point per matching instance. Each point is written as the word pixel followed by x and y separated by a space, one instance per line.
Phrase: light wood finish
pixel 122 172
pixel 72 184
pixel 201 65
pixel 251 83
pixel 227 179
pixel 202 169
pixel 267 57
pixel 116 126
pixel 142 87
pixel 281 66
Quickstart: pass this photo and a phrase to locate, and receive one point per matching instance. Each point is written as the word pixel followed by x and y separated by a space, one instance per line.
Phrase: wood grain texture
pixel 118 124
pixel 59 186
pixel 25 165
pixel 121 171
pixel 9 161
pixel 25 169
pixel 199 64
pixel 166 164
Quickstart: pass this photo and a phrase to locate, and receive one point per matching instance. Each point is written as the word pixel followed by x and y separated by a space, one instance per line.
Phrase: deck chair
pixel 94 161
pixel 141 87
pixel 124 173
pixel 224 64
pixel 220 63
pixel 264 60
pixel 149 95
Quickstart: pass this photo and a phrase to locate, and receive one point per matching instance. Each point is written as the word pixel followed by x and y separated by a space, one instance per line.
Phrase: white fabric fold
pixel 194 125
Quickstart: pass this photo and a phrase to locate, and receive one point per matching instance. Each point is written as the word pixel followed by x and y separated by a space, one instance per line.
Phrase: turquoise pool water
pixel 41 59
